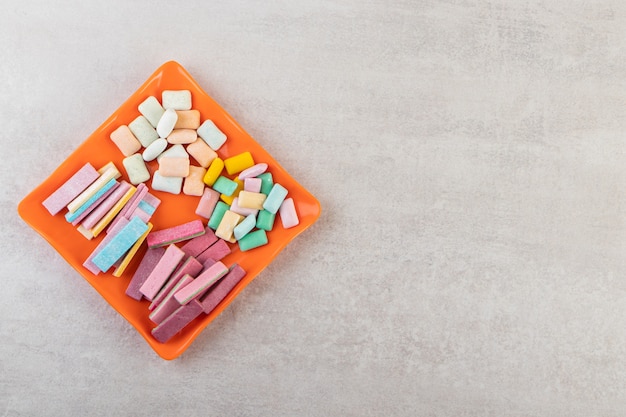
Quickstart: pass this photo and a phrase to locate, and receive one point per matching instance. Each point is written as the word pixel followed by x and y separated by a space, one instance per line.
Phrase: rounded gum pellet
pixel 253 171
pixel 136 169
pixel 125 140
pixel 211 134
pixel 193 184
pixel 182 136
pixel 174 167
pixel 170 185
pixel 176 99
pixel 154 149
pixel 201 152
pixel 143 131
pixel 188 119
pixel 152 110
pixel 167 123
pixel 176 151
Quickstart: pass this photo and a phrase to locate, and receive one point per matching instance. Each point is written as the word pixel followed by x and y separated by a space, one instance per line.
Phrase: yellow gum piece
pixel 131 253
pixel 227 225
pixel 104 222
pixel 228 199
pixel 213 172
pixel 238 163
pixel 248 199
pixel 107 175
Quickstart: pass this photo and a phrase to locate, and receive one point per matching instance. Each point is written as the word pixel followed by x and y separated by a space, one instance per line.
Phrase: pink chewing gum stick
pixel 207 264
pixel 70 189
pixel 175 234
pixel 88 263
pixel 142 215
pixel 95 205
pixel 148 262
pixel 201 283
pixel 95 216
pixel 222 288
pixel 161 272
pixel 134 200
pixel 142 190
pixel 216 251
pixel 152 200
pixel 177 321
pixel 190 267
pixel 169 303
pixel 199 244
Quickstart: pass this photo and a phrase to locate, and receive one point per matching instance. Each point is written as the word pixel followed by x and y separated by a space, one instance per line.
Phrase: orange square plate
pixel 98 149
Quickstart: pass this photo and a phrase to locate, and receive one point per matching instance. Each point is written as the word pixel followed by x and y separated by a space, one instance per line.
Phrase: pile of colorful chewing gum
pixel 239 207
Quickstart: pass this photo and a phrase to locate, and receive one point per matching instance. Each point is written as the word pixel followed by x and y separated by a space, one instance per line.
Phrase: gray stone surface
pixel 470 158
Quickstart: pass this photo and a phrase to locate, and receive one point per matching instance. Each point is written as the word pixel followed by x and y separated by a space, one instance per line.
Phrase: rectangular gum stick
pixel 142 214
pixel 140 189
pixel 152 200
pixel 199 244
pixel 119 270
pixel 107 166
pixel 92 203
pixel 95 216
pixel 162 271
pixel 190 267
pixel 120 244
pixel 175 234
pixel 169 304
pixel 110 215
pixel 95 205
pixel 222 288
pixel 84 232
pixel 147 264
pixel 89 204
pixel 109 174
pixel 71 189
pixel 201 283
pixel 177 321
pixel 146 208
pixel 216 251
pixel 208 263
pixel 88 262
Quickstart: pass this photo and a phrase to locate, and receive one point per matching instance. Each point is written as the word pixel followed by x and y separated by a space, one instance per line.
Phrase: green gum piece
pixel 225 186
pixel 218 213
pixel 267 182
pixel 265 220
pixel 253 240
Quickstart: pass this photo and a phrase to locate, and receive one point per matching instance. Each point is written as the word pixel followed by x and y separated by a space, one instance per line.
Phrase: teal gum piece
pixel 245 227
pixel 70 217
pixel 218 213
pixel 275 198
pixel 225 186
pixel 267 182
pixel 119 245
pixel 253 240
pixel 265 220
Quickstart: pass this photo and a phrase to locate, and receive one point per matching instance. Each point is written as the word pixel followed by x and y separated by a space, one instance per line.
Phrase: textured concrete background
pixel 470 159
